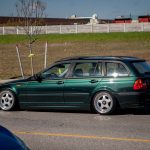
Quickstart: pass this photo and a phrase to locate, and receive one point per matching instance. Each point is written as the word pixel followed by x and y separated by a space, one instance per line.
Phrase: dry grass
pixel 9 66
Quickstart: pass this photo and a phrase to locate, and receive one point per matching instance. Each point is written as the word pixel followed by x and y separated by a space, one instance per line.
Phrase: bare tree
pixel 30 14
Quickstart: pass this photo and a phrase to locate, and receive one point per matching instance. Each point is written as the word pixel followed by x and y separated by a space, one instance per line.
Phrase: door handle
pixel 60 82
pixel 94 81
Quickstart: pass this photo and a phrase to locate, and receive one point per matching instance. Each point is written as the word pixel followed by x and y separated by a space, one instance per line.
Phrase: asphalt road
pixel 70 130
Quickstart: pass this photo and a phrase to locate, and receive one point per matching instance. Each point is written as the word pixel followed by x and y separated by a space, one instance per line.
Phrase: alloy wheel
pixel 7 100
pixel 104 103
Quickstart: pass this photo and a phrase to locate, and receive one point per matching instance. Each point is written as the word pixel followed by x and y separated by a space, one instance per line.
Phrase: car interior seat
pixel 78 73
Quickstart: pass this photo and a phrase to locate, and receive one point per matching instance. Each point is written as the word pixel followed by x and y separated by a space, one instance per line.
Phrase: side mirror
pixel 38 77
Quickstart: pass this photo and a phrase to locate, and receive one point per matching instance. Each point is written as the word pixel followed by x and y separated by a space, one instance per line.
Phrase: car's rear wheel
pixel 104 103
pixel 7 100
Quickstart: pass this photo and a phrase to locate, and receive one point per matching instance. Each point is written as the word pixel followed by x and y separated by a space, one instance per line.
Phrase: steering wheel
pixel 53 75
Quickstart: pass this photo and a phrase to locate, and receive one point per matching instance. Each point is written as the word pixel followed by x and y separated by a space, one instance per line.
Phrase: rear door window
pixel 87 69
pixel 115 69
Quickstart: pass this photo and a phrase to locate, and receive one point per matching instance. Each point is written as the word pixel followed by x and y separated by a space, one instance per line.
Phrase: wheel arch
pixel 13 90
pixel 110 91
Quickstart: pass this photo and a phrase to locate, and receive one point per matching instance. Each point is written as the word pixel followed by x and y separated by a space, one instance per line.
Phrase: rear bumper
pixel 133 99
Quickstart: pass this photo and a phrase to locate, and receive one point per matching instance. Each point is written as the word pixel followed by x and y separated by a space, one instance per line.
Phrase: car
pixel 8 141
pixel 99 83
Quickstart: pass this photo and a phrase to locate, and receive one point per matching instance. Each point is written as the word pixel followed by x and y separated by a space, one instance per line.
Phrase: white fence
pixel 65 29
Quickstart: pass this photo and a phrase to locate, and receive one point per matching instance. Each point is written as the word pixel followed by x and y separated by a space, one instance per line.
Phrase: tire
pixel 104 103
pixel 7 100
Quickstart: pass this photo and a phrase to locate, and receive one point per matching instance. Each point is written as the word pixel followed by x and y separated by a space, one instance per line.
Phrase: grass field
pixel 88 37
pixel 64 45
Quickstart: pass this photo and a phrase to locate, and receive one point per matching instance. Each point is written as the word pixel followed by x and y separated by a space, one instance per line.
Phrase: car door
pixel 49 91
pixel 118 80
pixel 84 78
pixel 117 77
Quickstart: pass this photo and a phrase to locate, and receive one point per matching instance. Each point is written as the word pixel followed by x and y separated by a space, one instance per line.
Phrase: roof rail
pixel 96 58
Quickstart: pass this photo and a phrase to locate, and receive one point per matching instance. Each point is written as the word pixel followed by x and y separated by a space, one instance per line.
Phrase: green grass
pixel 86 37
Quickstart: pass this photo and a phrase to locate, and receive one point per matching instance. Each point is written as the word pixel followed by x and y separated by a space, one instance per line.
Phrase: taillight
pixel 139 85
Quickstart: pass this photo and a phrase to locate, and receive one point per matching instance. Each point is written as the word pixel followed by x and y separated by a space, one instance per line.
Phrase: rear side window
pixel 115 69
pixel 142 67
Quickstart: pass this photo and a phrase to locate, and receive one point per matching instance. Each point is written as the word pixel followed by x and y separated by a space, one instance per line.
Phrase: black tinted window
pixel 142 67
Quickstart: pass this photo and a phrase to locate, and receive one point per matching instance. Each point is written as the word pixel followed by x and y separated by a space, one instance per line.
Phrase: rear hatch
pixel 143 70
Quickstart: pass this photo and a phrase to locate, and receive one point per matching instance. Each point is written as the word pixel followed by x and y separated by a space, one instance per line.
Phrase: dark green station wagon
pixel 82 83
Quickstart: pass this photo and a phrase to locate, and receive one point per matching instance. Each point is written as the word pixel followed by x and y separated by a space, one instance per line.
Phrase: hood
pixel 4 131
pixel 9 141
pixel 14 81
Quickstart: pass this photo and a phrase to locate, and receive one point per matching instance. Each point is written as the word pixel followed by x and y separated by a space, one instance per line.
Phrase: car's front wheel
pixel 7 100
pixel 104 103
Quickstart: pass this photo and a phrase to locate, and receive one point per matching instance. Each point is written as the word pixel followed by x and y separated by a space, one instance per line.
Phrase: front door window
pixel 56 72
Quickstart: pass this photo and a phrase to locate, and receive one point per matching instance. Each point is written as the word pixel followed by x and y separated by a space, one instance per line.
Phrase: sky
pixel 85 8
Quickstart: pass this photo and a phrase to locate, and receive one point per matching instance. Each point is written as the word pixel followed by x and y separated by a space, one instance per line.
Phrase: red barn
pixel 144 18
pixel 122 20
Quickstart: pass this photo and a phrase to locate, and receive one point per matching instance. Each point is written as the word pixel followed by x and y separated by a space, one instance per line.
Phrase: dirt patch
pixel 9 66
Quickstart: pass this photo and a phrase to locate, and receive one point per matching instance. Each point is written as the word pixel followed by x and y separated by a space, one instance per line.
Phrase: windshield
pixel 142 67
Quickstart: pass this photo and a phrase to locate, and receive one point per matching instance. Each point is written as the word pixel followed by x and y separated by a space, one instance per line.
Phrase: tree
pixel 30 14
